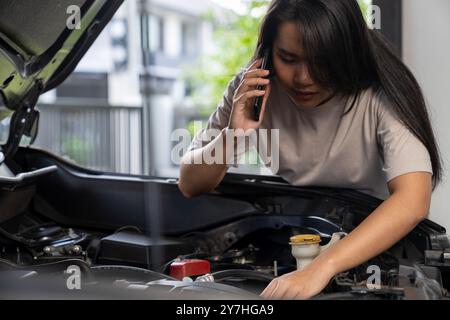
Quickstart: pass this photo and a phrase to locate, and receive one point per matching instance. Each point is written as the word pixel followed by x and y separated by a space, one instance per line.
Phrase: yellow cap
pixel 305 239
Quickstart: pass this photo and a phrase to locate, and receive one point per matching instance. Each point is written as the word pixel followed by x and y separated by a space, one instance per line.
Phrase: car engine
pixel 236 260
pixel 68 232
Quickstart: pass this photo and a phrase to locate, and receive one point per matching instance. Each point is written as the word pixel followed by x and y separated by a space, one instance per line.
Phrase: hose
pixel 147 272
pixel 241 274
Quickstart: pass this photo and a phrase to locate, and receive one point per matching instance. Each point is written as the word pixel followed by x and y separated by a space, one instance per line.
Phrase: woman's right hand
pixel 242 113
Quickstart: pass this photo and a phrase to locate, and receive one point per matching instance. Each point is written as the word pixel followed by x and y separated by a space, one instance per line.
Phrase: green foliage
pixel 195 126
pixel 235 39
pixel 77 150
pixel 364 4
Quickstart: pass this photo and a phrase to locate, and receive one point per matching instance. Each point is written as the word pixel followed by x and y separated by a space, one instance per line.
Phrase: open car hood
pixel 40 45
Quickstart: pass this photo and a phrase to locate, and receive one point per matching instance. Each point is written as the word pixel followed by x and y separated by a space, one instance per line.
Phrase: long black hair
pixel 343 54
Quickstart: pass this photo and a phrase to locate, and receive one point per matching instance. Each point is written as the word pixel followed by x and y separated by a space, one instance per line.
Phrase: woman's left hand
pixel 299 284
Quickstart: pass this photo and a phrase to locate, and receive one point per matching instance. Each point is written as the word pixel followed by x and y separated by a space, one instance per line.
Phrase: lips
pixel 304 95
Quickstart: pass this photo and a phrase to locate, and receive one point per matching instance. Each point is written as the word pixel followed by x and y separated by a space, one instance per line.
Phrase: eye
pixel 286 60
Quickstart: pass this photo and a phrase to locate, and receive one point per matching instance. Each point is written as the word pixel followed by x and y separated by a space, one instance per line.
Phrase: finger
pixel 264 103
pixel 275 289
pixel 289 294
pixel 256 73
pixel 256 81
pixel 255 64
pixel 251 83
pixel 279 291
pixel 269 289
pixel 242 99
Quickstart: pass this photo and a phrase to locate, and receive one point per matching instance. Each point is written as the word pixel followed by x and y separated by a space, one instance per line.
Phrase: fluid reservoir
pixel 306 247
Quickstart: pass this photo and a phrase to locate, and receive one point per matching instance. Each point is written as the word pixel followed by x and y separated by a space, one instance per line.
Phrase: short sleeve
pixel 220 118
pixel 401 151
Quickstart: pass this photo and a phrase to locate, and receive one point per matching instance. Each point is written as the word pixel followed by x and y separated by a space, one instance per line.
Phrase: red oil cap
pixel 189 267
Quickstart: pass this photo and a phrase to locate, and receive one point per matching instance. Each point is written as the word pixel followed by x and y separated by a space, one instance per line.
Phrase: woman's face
pixel 291 69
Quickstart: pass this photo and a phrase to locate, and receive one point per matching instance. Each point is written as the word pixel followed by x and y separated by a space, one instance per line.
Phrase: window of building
pixel 189 39
pixel 156 33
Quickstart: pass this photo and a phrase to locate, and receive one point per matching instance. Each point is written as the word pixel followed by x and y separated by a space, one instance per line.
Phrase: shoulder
pixel 233 84
pixel 376 103
pixel 371 97
pixel 230 90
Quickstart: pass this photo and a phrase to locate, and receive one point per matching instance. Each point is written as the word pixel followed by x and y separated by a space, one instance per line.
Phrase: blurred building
pixel 116 111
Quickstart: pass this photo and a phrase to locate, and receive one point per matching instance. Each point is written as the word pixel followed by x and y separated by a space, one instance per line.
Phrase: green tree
pixel 235 39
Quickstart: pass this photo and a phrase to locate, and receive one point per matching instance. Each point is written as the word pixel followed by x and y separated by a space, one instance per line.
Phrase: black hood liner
pixel 35 25
pixel 37 49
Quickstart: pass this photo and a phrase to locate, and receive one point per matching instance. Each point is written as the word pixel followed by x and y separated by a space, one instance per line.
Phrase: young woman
pixel 350 114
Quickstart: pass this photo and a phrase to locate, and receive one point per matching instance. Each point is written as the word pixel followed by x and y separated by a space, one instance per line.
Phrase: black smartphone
pixel 259 100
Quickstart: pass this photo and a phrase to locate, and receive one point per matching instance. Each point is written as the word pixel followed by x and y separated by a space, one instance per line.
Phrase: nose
pixel 302 77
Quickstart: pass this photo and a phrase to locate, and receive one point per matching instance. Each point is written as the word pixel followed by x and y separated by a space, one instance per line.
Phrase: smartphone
pixel 259 100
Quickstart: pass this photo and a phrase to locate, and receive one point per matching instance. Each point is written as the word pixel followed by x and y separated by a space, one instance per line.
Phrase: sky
pixel 235 5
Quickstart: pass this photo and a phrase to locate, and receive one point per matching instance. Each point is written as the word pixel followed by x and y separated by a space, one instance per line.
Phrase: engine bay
pixel 132 262
pixel 54 242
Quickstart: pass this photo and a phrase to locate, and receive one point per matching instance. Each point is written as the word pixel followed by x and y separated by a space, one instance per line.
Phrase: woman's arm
pixel 408 205
pixel 197 177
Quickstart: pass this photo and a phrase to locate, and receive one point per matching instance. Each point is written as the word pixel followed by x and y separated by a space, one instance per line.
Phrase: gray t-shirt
pixel 362 150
